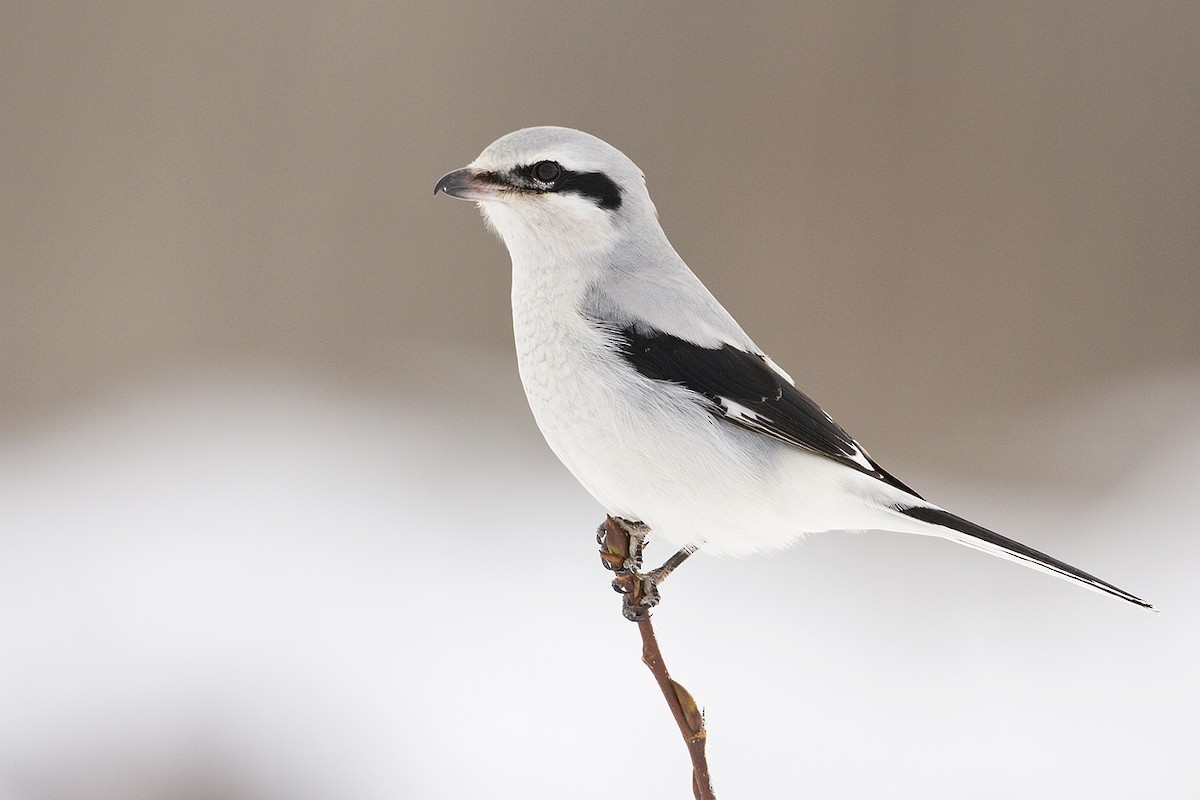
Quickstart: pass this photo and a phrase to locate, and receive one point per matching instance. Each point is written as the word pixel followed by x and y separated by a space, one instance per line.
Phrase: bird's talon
pixel 635 613
pixel 638 611
pixel 613 562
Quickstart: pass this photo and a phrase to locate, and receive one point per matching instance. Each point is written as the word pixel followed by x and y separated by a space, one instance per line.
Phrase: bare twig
pixel 615 551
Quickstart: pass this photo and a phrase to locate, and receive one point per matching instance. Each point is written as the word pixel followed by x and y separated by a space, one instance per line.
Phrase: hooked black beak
pixel 467 184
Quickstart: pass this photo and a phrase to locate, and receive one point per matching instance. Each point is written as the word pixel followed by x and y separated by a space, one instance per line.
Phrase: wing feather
pixel 745 389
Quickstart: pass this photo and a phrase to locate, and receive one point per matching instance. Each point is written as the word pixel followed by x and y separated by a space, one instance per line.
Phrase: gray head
pixel 554 190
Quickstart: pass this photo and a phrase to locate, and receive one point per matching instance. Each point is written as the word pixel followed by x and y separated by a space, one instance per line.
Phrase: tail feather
pixel 981 538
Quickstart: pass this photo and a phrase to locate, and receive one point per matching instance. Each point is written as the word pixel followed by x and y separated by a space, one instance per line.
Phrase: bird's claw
pixel 641 593
pixel 624 557
pixel 625 560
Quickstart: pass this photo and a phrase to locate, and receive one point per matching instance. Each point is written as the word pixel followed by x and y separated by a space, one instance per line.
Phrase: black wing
pixel 742 388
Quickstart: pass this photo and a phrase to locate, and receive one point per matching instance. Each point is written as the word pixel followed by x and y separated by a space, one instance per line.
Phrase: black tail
pixel 983 539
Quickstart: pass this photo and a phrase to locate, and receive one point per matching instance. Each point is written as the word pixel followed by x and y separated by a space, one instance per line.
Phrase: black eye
pixel 547 171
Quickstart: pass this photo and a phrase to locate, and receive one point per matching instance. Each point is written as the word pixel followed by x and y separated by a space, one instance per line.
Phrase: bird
pixel 649 391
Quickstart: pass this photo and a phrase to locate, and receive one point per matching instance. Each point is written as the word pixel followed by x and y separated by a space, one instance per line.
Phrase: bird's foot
pixel 621 544
pixel 621 547
pixel 640 592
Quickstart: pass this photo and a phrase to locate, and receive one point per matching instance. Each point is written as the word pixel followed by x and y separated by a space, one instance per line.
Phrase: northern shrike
pixel 648 390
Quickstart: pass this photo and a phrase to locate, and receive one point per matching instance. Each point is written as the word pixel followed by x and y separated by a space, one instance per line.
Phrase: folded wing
pixel 745 389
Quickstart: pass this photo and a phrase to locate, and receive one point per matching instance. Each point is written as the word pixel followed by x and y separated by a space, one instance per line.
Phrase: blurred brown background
pixel 266 474
pixel 936 216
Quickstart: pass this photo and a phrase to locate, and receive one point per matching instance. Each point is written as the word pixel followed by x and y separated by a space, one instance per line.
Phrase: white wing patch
pixel 737 411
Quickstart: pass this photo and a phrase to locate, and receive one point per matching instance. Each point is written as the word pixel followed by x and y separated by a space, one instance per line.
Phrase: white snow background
pixel 242 583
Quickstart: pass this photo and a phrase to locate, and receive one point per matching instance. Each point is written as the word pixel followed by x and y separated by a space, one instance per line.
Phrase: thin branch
pixel 615 551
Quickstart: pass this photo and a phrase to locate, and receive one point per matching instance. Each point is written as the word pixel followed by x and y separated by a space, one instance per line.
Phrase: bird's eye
pixel 547 171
